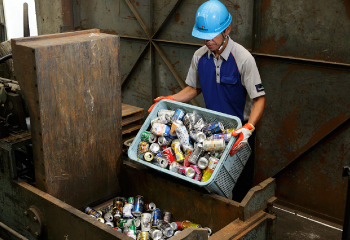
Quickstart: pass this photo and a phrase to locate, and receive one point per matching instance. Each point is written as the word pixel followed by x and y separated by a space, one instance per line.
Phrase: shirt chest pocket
pixel 229 86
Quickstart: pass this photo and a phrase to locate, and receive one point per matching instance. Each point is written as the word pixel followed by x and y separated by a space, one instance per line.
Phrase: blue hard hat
pixel 212 18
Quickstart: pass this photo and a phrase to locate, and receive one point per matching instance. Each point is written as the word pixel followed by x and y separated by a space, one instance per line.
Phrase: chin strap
pixel 222 45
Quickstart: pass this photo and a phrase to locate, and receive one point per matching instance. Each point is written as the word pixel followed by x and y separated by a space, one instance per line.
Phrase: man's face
pixel 215 43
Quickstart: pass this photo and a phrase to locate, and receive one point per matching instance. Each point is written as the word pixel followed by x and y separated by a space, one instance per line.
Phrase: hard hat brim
pixel 203 35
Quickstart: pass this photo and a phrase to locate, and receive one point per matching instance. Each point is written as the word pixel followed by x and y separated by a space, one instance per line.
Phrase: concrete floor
pixel 292 226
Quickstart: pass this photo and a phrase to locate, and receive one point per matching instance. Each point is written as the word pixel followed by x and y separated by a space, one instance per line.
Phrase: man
pixel 227 75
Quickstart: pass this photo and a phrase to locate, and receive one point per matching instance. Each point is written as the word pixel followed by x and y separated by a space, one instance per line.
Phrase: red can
pixel 186 162
pixel 168 154
pixel 196 169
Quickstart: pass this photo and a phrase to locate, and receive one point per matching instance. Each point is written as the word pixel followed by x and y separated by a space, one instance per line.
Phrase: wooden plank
pixel 136 117
pixel 128 110
pixel 130 128
pixel 71 83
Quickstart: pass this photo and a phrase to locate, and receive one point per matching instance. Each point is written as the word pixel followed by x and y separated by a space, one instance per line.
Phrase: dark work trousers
pixel 245 180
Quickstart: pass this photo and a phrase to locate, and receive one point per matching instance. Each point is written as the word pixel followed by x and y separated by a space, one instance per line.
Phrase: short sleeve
pixel 192 78
pixel 251 78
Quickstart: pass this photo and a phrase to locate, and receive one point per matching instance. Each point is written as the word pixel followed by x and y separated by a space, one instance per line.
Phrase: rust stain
pixel 182 23
pixel 128 87
pixel 109 31
pixel 175 63
pixel 139 32
pixel 271 45
pixel 172 90
pixel 265 5
pixel 137 3
pixel 236 6
pixel 291 69
pixel 177 17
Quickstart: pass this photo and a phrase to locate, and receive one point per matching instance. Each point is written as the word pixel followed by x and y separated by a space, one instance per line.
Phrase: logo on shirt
pixel 259 87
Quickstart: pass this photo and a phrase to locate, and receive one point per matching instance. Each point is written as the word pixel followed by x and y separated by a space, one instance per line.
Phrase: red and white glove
pixel 244 133
pixel 158 99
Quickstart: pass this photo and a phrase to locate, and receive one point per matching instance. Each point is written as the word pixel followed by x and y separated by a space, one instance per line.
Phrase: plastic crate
pixel 229 167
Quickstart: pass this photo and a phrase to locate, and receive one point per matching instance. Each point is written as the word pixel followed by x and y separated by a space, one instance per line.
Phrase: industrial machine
pixel 72 156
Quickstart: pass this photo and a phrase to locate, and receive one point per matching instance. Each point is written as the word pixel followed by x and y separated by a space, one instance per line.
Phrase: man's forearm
pixel 187 94
pixel 257 110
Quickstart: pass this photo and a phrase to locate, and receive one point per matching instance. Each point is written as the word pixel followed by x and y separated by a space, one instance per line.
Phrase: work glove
pixel 158 99
pixel 243 134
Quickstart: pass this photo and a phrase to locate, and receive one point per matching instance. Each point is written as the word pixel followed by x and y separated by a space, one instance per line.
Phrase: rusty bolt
pixel 27 228
pixel 35 219
pixel 25 213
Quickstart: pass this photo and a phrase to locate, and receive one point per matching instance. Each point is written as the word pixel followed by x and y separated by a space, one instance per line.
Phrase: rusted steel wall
pixel 306 80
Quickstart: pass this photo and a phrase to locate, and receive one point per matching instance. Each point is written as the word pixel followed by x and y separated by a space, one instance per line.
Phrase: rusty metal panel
pixel 180 58
pixel 317 177
pixel 304 103
pixel 306 29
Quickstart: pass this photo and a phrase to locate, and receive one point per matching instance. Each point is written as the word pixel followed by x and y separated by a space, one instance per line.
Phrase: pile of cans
pixel 139 220
pixel 184 143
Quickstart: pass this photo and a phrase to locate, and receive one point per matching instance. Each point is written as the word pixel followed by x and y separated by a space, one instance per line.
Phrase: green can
pixel 132 232
pixel 148 137
pixel 131 200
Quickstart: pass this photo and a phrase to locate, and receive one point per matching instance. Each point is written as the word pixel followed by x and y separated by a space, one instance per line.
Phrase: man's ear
pixel 228 30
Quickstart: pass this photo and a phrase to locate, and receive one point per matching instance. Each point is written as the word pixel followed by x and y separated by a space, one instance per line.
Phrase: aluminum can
pixel 183 136
pixel 190 172
pixel 132 232
pixel 163 162
pixel 111 224
pixel 127 210
pixel 178 115
pixel 164 141
pixel 198 136
pixel 213 162
pixel 176 146
pixel 100 212
pixel 125 222
pixel 165 111
pixel 182 170
pixel 159 155
pixel 146 221
pixel 148 156
pixel 196 169
pixel 189 151
pixel 225 136
pixel 160 129
pixel 178 225
pixel 164 119
pixel 92 212
pixel 108 217
pixel 207 174
pixel 209 231
pixel 144 235
pixel 187 122
pixel 118 203
pixel 142 148
pixel 138 209
pixel 186 163
pixel 148 137
pixel 174 125
pixel 198 177
pixel 154 148
pixel 230 130
pixel 213 128
pixel 167 217
pixel 137 222
pixel 117 215
pixel 199 125
pixel 155 233
pixel 169 155
pixel 149 207
pixel 156 215
pixel 203 163
pixel 174 167
pixel 214 145
pixel 165 228
pixel 196 154
pixel 187 224
pixel 118 229
pixel 131 200
pixel 177 232
pixel 101 220
pixel 174 226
